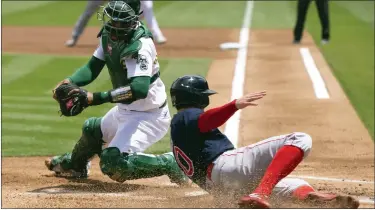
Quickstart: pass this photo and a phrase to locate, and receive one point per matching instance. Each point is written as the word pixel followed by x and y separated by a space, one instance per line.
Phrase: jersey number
pixel 180 155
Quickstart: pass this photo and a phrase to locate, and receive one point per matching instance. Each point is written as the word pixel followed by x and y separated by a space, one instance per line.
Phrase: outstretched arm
pixel 216 117
pixel 87 73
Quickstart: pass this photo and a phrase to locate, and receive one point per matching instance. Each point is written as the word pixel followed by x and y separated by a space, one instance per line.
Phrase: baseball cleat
pixel 161 40
pixel 55 164
pixel 332 200
pixel 71 42
pixel 254 201
pixel 324 41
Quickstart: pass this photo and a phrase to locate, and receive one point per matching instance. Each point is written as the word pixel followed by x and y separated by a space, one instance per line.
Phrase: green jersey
pixel 116 54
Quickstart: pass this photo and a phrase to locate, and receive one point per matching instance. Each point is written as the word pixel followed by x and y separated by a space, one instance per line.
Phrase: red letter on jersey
pixel 180 154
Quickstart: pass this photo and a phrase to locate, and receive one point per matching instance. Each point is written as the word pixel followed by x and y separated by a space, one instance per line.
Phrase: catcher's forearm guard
pixel 118 95
pixel 121 95
pixel 71 98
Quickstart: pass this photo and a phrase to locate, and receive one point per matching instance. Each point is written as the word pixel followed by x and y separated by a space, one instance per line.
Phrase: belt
pixel 209 170
pixel 154 77
pixel 163 105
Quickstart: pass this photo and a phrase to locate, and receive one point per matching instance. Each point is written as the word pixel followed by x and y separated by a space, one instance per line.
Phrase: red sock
pixel 284 162
pixel 302 192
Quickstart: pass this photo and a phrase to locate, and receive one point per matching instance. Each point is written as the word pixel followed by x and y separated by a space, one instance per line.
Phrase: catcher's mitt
pixel 71 104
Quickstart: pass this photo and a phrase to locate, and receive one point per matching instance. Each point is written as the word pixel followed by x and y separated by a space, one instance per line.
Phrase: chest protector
pixel 115 53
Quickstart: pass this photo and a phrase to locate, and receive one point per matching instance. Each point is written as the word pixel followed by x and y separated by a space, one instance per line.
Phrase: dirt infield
pixel 181 42
pixel 342 147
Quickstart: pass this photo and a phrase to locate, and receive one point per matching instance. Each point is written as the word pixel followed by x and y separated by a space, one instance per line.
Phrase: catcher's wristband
pixel 100 98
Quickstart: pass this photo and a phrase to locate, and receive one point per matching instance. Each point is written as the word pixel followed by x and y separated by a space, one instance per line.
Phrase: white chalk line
pixel 123 195
pixel 362 199
pixel 319 86
pixel 332 179
pixel 366 200
pixel 136 196
pixel 128 195
pixel 232 126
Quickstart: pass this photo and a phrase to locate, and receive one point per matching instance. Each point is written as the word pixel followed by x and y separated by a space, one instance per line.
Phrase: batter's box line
pixel 332 179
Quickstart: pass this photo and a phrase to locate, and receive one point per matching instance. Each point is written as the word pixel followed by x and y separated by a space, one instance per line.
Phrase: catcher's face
pixel 120 29
pixel 119 20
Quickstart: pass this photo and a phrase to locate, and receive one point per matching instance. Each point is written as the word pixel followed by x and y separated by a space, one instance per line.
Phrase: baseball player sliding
pixel 257 171
pixel 93 5
pixel 141 115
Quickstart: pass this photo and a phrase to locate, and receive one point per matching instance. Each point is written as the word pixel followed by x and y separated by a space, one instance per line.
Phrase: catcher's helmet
pixel 120 18
pixel 190 91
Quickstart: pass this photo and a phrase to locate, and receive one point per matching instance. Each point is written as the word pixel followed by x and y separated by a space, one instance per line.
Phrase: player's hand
pixel 65 81
pixel 248 99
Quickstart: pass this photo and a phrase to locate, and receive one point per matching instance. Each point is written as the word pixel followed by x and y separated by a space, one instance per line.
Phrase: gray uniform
pixel 91 8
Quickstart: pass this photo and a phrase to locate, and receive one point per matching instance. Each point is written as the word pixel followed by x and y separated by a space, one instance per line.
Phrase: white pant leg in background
pixel 152 23
pixel 241 169
pixel 132 131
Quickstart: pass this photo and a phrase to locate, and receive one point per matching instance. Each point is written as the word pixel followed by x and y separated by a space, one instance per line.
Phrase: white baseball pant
pixel 152 23
pixel 134 131
pixel 239 171
pixel 91 8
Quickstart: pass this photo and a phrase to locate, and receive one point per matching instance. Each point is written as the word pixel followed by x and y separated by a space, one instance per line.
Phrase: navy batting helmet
pixel 190 91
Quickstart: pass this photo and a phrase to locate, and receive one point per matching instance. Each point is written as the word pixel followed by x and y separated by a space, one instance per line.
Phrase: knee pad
pixel 122 166
pixel 91 128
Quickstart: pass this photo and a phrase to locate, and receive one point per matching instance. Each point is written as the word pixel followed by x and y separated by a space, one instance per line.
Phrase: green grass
pixel 30 122
pixel 350 53
pixel 168 13
pixel 19 6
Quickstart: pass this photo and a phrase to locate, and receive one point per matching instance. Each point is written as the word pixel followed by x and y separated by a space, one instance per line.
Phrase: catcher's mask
pixel 190 91
pixel 120 19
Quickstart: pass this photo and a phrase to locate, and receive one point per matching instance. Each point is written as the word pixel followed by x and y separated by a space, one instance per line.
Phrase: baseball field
pixel 326 91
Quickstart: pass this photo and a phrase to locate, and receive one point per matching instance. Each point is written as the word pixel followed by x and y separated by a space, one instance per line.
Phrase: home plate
pixel 230 45
pixel 196 193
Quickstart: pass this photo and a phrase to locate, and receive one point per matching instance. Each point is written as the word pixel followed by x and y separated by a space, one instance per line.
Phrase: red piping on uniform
pixel 209 170
pixel 252 146
pixel 216 117
pixel 231 154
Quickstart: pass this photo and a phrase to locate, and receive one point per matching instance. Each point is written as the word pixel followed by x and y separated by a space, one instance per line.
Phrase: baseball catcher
pixel 256 171
pixel 141 115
